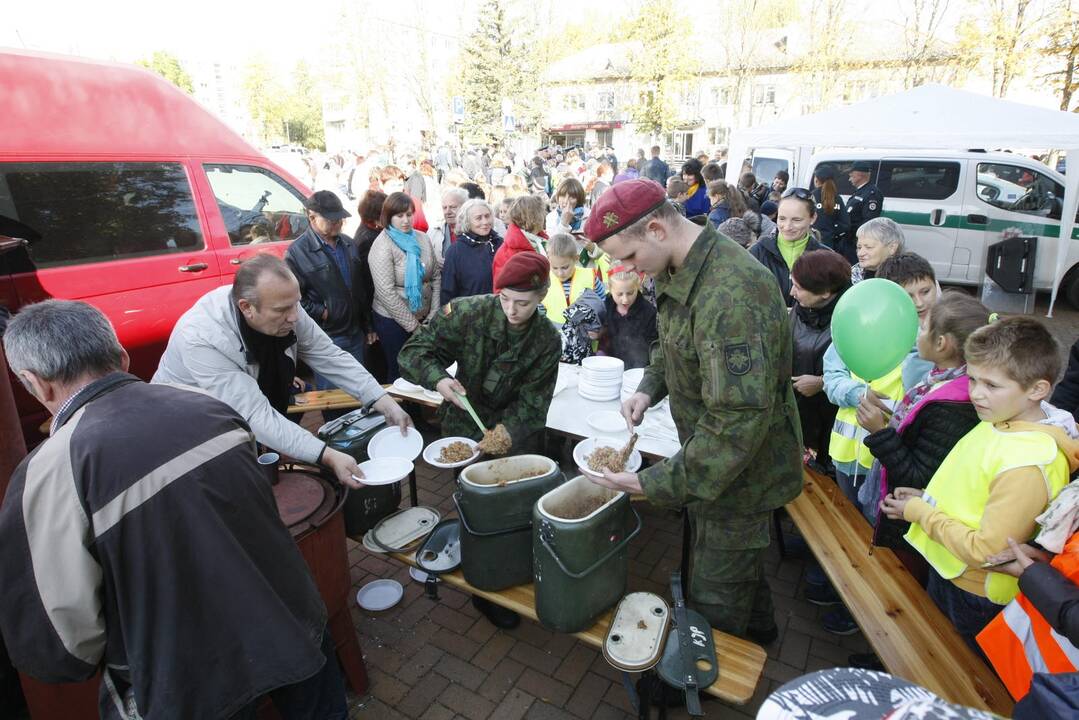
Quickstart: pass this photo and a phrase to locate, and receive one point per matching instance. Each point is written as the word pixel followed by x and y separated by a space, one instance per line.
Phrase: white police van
pixel 953 205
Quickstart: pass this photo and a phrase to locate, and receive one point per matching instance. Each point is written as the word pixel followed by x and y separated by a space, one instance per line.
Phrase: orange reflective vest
pixel 1020 642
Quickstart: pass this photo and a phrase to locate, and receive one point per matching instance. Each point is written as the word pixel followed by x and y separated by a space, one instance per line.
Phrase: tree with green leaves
pixel 168 66
pixel 662 67
pixel 486 59
pixel 291 114
pixel 1001 34
pixel 1061 48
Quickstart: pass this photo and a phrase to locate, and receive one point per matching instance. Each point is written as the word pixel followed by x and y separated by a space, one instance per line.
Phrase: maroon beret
pixel 524 271
pixel 621 205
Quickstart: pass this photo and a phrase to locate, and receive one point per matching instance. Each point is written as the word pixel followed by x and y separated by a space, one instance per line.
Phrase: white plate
pixel 601 363
pixel 607 421
pixel 379 595
pixel 432 451
pixel 585 448
pixel 600 382
pixel 405 386
pixel 384 471
pixel 598 397
pixel 390 443
pixel 633 377
pixel 433 395
pixel 420 576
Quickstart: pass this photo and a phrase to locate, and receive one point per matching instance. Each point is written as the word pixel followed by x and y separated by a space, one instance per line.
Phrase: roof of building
pixel 61 105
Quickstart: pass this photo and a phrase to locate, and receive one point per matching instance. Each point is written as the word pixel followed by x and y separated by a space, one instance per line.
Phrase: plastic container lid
pixel 637 633
pixel 379 595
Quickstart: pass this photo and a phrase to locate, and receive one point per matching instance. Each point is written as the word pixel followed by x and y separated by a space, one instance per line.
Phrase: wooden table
pixel 740 661
pixel 907 631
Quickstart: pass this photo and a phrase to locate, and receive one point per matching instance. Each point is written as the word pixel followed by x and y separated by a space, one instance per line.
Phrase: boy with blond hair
pixel 997 479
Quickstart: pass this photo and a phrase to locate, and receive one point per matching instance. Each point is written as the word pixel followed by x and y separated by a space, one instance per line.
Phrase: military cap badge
pixel 610 220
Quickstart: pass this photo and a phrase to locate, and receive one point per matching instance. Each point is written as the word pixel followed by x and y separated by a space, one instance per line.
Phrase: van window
pixel 94 212
pixel 918 179
pixel 1020 189
pixel 841 168
pixel 256 205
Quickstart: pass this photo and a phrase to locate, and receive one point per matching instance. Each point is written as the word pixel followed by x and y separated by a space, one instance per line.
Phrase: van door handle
pixel 977 219
pixel 236 261
pixel 936 217
pixel 193 267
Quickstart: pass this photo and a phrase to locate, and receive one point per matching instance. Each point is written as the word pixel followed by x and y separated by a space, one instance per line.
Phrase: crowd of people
pixel 959 457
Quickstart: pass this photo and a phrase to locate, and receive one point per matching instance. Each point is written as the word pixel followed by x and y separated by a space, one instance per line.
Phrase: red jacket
pixel 514 242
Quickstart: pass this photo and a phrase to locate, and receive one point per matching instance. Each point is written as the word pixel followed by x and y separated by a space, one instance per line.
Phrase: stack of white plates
pixel 601 378
pixel 630 380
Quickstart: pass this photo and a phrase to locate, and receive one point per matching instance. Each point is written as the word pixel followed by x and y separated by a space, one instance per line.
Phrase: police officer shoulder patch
pixel 737 358
pixel 872 204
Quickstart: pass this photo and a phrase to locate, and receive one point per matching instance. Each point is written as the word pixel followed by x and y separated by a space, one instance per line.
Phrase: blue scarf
pixel 408 243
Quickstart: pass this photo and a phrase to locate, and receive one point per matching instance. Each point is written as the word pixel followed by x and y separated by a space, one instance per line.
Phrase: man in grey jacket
pixel 241 343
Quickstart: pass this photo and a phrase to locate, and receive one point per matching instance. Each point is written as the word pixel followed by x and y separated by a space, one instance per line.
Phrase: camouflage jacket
pixel 724 358
pixel 508 380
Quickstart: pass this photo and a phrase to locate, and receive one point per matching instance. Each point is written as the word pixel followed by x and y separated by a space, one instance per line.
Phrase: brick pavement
pixel 442 660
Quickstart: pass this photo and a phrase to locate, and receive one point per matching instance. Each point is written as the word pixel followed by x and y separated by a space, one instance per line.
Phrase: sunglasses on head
pixel 800 193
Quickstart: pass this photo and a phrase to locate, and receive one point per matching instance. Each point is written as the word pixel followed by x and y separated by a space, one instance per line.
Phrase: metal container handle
pixel 605 558
pixel 470 531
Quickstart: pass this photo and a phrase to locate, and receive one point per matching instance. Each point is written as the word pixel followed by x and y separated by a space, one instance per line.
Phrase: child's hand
pixel 895 502
pixel 808 385
pixel 1016 558
pixel 871 415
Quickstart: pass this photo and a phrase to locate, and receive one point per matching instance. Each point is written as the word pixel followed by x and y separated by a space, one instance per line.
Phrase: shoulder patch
pixel 872 205
pixel 737 358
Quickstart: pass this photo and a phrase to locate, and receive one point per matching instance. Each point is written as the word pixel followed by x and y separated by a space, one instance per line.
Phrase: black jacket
pixel 466 269
pixel 1066 394
pixel 913 457
pixel 322 287
pixel 178 577
pixel 833 223
pixel 811 332
pixel 630 338
pixel 767 251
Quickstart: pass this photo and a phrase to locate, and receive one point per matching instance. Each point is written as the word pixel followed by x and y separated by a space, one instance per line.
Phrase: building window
pixel 605 101
pixel 722 96
pixel 764 94
pixel 573 101
pixel 718 135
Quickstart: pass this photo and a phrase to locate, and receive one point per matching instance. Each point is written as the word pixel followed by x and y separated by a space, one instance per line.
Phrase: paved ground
pixel 442 660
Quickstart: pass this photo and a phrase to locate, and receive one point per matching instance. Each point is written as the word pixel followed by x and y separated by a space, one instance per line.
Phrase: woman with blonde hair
pixel 525 231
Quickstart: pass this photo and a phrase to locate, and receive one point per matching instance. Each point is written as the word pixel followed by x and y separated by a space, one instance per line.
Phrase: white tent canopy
pixel 930 117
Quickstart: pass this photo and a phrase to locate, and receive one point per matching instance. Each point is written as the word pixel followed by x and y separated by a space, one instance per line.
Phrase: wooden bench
pixel 907 631
pixel 740 661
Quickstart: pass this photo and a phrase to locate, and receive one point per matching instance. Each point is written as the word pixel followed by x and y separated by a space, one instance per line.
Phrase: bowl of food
pixel 592 455
pixel 451 452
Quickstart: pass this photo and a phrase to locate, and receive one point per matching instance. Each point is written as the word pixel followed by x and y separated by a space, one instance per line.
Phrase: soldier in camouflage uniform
pixel 506 355
pixel 724 359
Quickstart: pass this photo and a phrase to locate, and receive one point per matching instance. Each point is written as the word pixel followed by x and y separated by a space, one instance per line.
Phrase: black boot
pixel 499 616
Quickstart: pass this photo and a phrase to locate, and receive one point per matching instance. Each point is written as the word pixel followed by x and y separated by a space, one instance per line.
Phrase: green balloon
pixel 874 326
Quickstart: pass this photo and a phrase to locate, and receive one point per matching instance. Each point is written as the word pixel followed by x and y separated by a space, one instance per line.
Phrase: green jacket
pixel 509 378
pixel 724 358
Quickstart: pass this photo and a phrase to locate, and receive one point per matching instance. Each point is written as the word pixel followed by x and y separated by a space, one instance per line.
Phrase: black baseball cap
pixel 328 205
pixel 825 172
pixel 861 166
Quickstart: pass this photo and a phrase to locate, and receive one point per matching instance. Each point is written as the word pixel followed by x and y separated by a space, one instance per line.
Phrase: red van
pixel 129 195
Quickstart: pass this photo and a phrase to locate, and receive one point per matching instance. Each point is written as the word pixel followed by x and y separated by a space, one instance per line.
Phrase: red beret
pixel 621 205
pixel 524 271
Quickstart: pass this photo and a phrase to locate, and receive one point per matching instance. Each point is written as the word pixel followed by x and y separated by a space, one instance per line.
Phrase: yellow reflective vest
pixel 555 302
pixel 960 489
pixel 847 435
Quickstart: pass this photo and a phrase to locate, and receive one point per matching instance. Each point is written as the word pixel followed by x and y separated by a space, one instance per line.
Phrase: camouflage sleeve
pixel 739 368
pixel 432 347
pixel 654 383
pixel 528 414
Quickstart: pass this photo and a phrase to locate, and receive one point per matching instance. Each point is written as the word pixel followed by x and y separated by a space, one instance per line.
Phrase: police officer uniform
pixel 866 202
pixel 724 359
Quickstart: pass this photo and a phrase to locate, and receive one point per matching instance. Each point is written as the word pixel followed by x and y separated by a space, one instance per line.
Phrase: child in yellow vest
pixel 997 479
pixel 568 278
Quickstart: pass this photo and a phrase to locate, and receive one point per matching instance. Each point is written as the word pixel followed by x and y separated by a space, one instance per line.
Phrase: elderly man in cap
pixel 867 201
pixel 724 360
pixel 141 540
pixel 329 268
pixel 242 342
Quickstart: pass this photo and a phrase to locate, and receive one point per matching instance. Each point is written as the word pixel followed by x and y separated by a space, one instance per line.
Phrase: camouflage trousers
pixel 727 583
